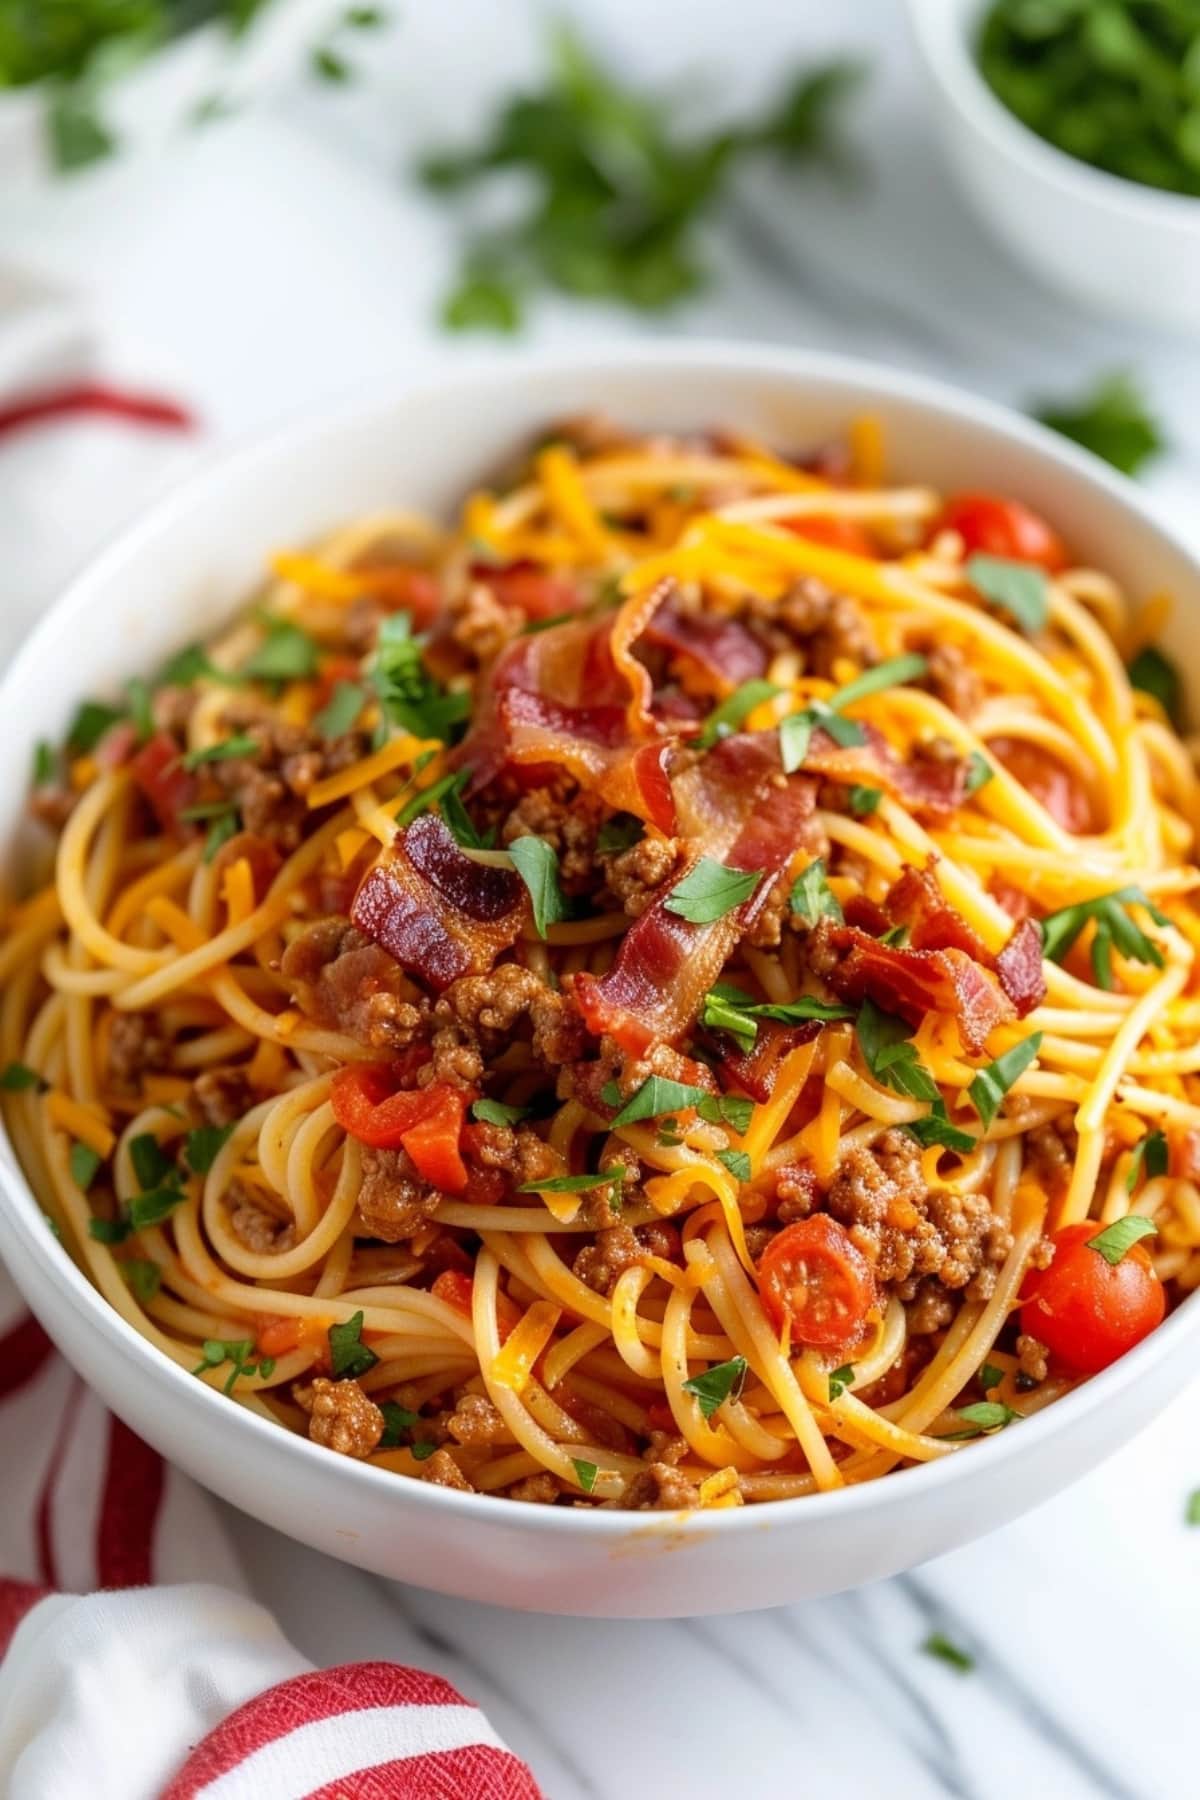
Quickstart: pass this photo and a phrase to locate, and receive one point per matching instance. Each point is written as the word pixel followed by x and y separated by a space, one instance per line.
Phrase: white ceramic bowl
pixel 1116 245
pixel 172 580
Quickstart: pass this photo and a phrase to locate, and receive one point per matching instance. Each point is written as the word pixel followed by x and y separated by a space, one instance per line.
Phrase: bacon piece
pixel 932 787
pixel 439 913
pixel 1049 781
pixel 917 901
pixel 755 1070
pixel 666 964
pixel 720 647
pixel 913 983
pixel 1021 969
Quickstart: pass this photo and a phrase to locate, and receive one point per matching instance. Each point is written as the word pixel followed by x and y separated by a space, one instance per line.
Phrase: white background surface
pixel 259 267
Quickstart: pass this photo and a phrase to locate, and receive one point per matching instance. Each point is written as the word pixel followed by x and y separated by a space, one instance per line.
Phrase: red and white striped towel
pixel 186 1691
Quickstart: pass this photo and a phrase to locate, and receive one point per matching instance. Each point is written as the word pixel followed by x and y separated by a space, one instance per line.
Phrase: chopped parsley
pixel 202 1146
pixel 729 715
pixel 496 1112
pixel 1117 1239
pixel 795 732
pixel 191 664
pixel 425 797
pixel 737 1162
pixel 984 1416
pixel 139 707
pixel 1113 422
pixel 940 1646
pixel 537 865
pixel 709 890
pixel 658 1095
pixel 863 801
pixel 938 1128
pixel 19 1078
pixel 585 1473
pixel 621 832
pixel 1191 1512
pixel 151 1164
pixel 812 898
pixel 888 1053
pixel 238 1354
pixel 730 1008
pixel 398 1427
pixel 722 1382
pixel 979 772
pixel 92 719
pixel 144 1277
pixel 348 1355
pixel 109 1231
pixel 1152 672
pixel 1018 588
pixel 1115 928
pixel 225 751
pixel 45 764
pixel 1149 1157
pixel 85 1163
pixel 457 819
pixel 990 1085
pixel 286 653
pixel 573 1184
pixel 408 694
pixel 840 1380
pixel 341 710
pixel 990 1377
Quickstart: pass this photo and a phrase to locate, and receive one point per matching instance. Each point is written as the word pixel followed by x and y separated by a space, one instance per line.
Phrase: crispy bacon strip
pixel 913 983
pixel 917 901
pixel 666 964
pixel 756 1070
pixel 936 788
pixel 440 914
pixel 722 648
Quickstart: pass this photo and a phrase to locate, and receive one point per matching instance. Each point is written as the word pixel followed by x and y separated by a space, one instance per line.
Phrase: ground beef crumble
pixel 269 788
pixel 568 823
pixel 907 1230
pixel 635 875
pixel 486 1008
pixel 261 1231
pixel 341 1417
pixel 660 1487
pixel 829 628
pixel 135 1045
pixel 1031 1358
pixel 223 1096
pixel 393 1201
pixel 442 1471
pixel 347 983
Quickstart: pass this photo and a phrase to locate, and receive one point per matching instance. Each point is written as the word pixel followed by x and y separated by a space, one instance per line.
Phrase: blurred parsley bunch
pixel 617 190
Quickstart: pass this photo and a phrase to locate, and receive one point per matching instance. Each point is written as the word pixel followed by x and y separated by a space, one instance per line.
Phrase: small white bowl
pixel 173 579
pixel 1117 246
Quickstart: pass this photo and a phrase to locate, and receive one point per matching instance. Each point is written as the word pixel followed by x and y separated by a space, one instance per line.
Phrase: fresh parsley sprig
pixel 721 1382
pixel 709 890
pixel 239 1354
pixel 795 732
pixel 1115 929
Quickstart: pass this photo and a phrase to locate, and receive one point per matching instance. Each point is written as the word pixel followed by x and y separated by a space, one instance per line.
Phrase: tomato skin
pixel 1051 783
pixel 814 1279
pixel 835 534
pixel 425 1122
pixel 159 772
pixel 996 527
pixel 1086 1310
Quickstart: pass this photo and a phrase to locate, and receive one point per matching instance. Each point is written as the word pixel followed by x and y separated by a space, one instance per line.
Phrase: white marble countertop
pixel 284 257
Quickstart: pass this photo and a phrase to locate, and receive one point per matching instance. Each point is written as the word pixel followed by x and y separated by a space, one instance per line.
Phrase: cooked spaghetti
pixel 677 991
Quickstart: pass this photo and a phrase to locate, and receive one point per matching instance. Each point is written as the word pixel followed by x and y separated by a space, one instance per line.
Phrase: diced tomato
pixel 159 772
pixel 835 534
pixel 403 589
pixel 1086 1310
pixel 813 1279
pixel 530 589
pixel 456 1289
pixel 426 1122
pixel 1051 783
pixel 277 1335
pixel 659 1417
pixel 996 527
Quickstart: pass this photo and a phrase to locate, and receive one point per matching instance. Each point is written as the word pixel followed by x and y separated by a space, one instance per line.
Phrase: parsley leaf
pixel 1117 1239
pixel 888 1054
pixel 656 1096
pixel 19 1078
pixel 408 694
pixel 109 1231
pixel 936 1128
pixel 154 1205
pixel 285 654
pixel 621 832
pixel 456 817
pixel 1018 588
pixel 348 1355
pixel 202 1146
pixel 709 890
pixel 226 824
pixel 1191 1514
pixel 979 772
pixel 341 710
pixel 89 725
pixel 983 1416
pixel 840 1380
pixel 238 1354
pixel 84 1165
pixel 990 1085
pixel 1152 672
pixel 728 716
pixel 398 1423
pixel 45 764
pixel 812 898
pixel 1114 927
pixel 863 801
pixel 585 1473
pixel 573 1184
pixel 940 1646
pixel 143 1276
pixel 225 751
pixel 495 1112
pixel 151 1164
pixel 537 865
pixel 1149 1156
pixel 717 1384
pixel 894 672
pixel 737 1162
pixel 1113 422
pixel 795 732
pixel 990 1377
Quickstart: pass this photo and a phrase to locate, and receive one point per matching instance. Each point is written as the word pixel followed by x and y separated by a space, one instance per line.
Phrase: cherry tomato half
pixel 1086 1310
pixel 813 1278
pixel 999 527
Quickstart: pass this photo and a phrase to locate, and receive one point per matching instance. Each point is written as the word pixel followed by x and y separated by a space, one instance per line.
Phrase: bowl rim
pixel 700 357
pixel 943 33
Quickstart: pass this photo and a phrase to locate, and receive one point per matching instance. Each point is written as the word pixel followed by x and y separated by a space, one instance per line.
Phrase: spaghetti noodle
pixel 678 991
